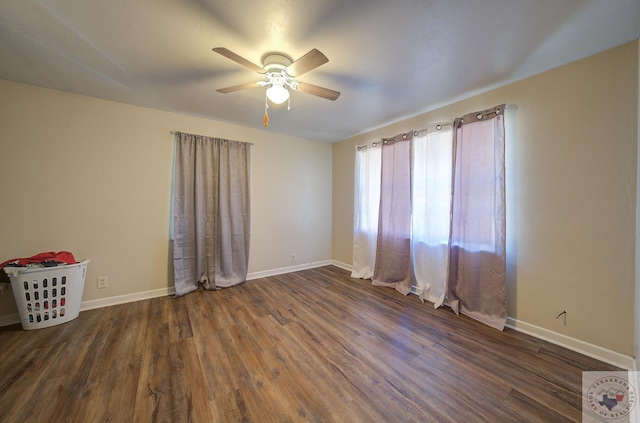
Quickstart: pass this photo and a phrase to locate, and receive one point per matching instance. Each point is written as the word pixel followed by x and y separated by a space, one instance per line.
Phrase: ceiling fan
pixel 280 73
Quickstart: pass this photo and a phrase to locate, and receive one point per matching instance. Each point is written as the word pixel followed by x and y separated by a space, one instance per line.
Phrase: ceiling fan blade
pixel 318 91
pixel 238 59
pixel 238 87
pixel 309 61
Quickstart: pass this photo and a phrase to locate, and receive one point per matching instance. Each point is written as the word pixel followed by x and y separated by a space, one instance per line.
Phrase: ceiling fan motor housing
pixel 275 62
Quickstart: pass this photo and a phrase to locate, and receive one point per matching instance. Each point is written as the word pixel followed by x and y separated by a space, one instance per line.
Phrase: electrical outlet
pixel 102 282
pixel 293 257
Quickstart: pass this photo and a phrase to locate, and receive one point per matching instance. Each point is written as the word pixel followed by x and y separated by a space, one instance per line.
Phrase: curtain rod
pixel 179 132
pixel 438 127
pixel 479 116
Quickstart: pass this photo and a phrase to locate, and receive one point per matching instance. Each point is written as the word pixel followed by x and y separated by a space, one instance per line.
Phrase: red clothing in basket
pixel 61 257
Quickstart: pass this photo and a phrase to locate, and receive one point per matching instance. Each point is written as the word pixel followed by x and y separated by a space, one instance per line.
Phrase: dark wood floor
pixel 312 346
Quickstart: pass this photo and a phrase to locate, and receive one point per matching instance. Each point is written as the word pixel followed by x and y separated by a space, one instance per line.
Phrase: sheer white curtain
pixel 366 206
pixel 431 211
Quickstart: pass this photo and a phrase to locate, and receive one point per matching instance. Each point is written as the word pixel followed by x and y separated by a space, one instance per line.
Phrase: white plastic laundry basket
pixel 48 296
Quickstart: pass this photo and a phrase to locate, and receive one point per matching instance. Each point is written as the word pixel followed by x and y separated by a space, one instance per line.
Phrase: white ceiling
pixel 389 59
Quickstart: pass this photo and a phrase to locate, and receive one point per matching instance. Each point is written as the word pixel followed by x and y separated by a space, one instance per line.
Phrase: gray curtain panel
pixel 211 213
pixel 477 259
pixel 393 266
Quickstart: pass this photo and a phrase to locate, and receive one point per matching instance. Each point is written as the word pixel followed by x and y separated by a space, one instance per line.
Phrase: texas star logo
pixel 611 397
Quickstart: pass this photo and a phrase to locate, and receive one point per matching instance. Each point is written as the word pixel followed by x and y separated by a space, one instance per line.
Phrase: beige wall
pixel 94 176
pixel 572 140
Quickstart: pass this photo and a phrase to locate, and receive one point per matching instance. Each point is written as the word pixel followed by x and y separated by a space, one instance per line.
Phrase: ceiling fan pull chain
pixel 265 119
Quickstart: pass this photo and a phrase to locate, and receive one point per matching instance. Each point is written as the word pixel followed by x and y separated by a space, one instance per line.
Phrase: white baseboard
pixel 138 296
pixel 586 348
pixel 290 269
pixel 342 265
pixel 127 298
pixel 573 344
pixel 12 319
pixel 590 350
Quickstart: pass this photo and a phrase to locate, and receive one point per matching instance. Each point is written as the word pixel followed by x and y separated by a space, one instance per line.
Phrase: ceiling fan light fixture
pixel 277 93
